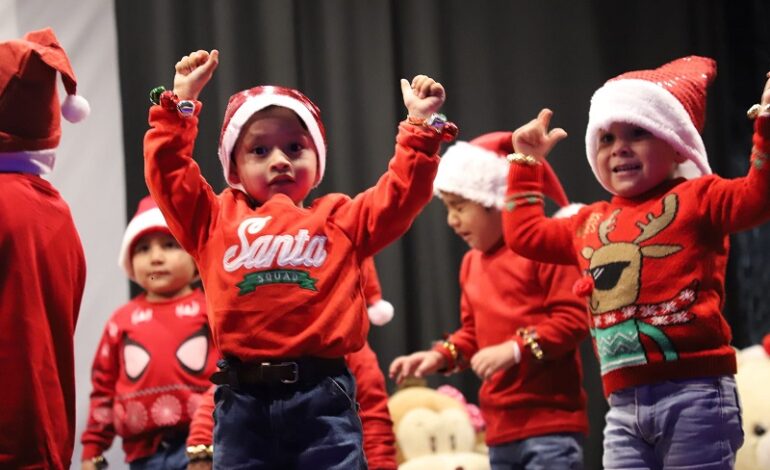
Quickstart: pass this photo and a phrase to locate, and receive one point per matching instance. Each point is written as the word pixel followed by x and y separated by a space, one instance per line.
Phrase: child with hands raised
pixel 282 277
pixel 654 258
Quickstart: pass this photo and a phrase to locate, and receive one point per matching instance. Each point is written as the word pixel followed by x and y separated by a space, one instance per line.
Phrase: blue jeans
pixel 548 452
pixel 170 456
pixel 674 425
pixel 289 426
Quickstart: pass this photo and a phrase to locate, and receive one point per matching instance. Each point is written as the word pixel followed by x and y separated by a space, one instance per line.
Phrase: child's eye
pixel 296 147
pixel 141 248
pixel 640 132
pixel 259 150
pixel 171 245
pixel 606 138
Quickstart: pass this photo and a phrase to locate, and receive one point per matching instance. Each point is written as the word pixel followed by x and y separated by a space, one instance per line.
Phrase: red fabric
pixel 307 299
pixel 372 289
pixel 379 441
pixel 42 274
pixel 152 365
pixel 694 342
pixel 502 292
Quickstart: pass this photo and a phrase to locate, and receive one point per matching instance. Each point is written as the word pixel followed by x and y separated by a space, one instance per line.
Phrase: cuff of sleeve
pixel 522 178
pixel 418 138
pixel 160 113
pixel 449 361
pixel 762 134
pixel 90 451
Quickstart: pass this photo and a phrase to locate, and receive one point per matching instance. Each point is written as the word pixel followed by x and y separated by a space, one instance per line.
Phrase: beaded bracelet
pixel 99 462
pixel 200 452
pixel 756 109
pixel 438 123
pixel 168 100
pixel 521 159
pixel 530 337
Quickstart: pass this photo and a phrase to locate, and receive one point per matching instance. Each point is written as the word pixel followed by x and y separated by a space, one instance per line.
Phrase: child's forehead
pixel 158 234
pixel 454 199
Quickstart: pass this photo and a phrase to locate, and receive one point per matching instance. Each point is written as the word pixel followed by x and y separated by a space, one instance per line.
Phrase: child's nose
pixel 279 160
pixel 157 254
pixel 620 147
pixel 452 220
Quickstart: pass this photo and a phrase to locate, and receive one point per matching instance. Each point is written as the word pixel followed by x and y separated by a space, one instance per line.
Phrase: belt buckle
pixel 295 372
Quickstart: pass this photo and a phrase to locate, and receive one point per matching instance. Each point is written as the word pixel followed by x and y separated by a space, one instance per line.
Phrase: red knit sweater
pixel 658 265
pixel 150 369
pixel 42 275
pixel 283 281
pixel 379 441
pixel 502 292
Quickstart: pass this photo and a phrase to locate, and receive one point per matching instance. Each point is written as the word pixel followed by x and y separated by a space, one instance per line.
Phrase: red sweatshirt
pixel 657 263
pixel 379 441
pixel 502 292
pixel 284 281
pixel 151 367
pixel 42 275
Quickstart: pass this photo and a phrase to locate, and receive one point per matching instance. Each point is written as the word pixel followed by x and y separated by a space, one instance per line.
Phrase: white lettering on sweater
pixel 284 250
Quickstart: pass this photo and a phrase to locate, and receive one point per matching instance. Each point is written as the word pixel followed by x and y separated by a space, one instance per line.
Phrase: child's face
pixel 275 154
pixel 480 227
pixel 162 267
pixel 631 160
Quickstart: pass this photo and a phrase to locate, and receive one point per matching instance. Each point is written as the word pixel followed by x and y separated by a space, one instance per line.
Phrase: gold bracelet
pixel 756 109
pixel 99 462
pixel 450 346
pixel 200 452
pixel 530 337
pixel 521 159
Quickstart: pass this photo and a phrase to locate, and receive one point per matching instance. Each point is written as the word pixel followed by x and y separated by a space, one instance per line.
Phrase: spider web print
pixel 136 417
pixel 166 410
pixel 102 414
pixel 193 403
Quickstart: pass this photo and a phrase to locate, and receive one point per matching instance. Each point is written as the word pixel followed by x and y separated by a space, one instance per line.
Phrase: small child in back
pixel 654 258
pixel 283 280
pixel 521 323
pixel 155 356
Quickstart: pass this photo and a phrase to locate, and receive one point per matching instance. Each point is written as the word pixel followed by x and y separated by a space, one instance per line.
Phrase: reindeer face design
pixel 616 267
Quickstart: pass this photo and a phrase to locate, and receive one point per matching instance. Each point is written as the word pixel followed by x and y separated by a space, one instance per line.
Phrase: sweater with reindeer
pixel 655 266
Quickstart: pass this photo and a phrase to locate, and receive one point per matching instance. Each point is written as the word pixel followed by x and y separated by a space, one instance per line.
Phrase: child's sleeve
pixel 742 203
pixel 464 339
pixel 100 429
pixel 384 212
pixel 379 440
pixel 174 179
pixel 566 323
pixel 527 230
pixel 202 424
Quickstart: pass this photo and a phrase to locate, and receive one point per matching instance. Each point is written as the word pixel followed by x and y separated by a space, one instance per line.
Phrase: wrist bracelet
pixel 756 109
pixel 438 123
pixel 200 452
pixel 521 159
pixel 99 462
pixel 168 100
pixel 530 337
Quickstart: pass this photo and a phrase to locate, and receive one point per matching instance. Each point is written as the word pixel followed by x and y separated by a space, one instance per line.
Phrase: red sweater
pixel 150 369
pixel 284 281
pixel 502 292
pixel 658 265
pixel 42 275
pixel 379 441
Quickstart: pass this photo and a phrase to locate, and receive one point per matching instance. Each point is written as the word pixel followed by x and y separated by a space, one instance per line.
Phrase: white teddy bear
pixel 753 381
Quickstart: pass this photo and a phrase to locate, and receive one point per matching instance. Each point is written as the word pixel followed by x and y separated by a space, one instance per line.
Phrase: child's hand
pixel 87 465
pixel 491 359
pixel 417 365
pixel 193 72
pixel 765 100
pixel 534 138
pixel 423 97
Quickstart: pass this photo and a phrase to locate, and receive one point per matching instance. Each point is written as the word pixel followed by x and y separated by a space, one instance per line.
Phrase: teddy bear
pixel 753 381
pixel 434 431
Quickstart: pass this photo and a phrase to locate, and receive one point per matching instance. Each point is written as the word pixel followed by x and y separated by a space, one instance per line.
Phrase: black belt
pixel 286 371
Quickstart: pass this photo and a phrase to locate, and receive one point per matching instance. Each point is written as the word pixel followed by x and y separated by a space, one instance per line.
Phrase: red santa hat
pixel 244 104
pixel 478 171
pixel 380 311
pixel 669 102
pixel 147 219
pixel 30 126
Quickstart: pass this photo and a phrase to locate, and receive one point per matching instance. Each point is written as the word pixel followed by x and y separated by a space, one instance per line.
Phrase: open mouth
pixel 627 167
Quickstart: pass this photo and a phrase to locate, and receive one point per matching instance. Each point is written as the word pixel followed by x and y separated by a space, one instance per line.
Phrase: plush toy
pixel 434 431
pixel 753 381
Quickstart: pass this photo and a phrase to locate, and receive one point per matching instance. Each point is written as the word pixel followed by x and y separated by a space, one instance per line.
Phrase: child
pixel 155 356
pixel 282 279
pixel 521 324
pixel 42 266
pixel 379 440
pixel 655 258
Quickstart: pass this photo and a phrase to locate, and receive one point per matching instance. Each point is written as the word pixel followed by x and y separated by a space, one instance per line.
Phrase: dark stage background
pixel 500 61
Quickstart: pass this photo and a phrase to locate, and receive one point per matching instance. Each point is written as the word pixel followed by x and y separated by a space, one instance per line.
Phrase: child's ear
pixel 234 178
pixel 679 158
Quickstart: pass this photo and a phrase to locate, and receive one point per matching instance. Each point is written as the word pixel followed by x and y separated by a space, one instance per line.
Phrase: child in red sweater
pixel 283 279
pixel 155 356
pixel 521 323
pixel 42 265
pixel 654 258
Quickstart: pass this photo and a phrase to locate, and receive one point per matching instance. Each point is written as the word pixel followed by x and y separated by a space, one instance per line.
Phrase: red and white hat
pixel 380 311
pixel 669 102
pixel 147 219
pixel 244 104
pixel 478 171
pixel 30 126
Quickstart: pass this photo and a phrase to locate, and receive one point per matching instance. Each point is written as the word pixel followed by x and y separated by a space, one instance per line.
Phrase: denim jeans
pixel 289 426
pixel 170 456
pixel 562 451
pixel 674 425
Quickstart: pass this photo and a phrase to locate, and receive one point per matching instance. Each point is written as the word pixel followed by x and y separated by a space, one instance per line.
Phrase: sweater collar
pixel 653 194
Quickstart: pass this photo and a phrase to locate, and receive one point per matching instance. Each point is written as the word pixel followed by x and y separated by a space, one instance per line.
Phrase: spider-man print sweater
pixel 283 281
pixel 654 266
pixel 150 370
